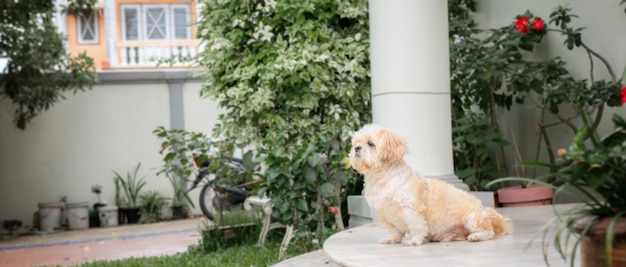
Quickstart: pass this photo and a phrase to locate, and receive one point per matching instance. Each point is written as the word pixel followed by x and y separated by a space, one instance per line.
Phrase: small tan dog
pixel 407 204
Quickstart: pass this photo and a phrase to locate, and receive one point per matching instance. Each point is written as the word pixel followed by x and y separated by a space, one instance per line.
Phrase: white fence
pixel 147 53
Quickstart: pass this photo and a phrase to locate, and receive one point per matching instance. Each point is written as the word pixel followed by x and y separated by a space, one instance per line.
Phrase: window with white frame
pixel 156 22
pixel 87 28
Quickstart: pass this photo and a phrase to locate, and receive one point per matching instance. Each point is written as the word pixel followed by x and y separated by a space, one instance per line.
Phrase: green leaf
pixel 470 180
pixel 465 173
pixel 262 191
pixel 248 161
pixel 169 157
pixel 341 178
pixel 327 190
pixel 314 160
pixel 272 174
pixel 310 175
pixel 302 205
pixel 284 207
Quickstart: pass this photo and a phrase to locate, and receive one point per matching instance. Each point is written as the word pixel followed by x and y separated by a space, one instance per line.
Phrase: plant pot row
pixel 53 216
pixel 131 215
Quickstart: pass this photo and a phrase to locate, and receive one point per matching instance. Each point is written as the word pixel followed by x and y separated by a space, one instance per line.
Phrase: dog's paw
pixel 389 241
pixel 480 236
pixel 414 242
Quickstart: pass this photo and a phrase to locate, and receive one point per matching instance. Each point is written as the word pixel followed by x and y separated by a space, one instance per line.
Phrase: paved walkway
pixel 72 247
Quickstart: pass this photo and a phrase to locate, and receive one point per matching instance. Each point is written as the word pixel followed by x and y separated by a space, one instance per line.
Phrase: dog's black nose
pixel 357 149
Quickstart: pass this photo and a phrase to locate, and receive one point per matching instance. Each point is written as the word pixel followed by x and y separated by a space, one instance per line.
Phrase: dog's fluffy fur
pixel 408 204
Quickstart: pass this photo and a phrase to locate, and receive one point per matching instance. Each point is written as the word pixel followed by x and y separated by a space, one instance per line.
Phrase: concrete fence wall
pixel 82 139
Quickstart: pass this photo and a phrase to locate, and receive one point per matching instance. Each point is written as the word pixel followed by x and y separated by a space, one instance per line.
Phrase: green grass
pixel 243 255
pixel 241 251
pixel 239 256
pixel 238 216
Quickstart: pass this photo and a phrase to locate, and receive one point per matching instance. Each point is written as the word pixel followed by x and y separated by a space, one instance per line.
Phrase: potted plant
pixel 182 150
pixel 598 171
pixel 180 200
pixel 152 202
pixel 131 188
pixel 94 221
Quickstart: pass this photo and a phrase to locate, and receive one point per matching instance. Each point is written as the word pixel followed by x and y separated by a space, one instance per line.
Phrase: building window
pixel 156 22
pixel 88 28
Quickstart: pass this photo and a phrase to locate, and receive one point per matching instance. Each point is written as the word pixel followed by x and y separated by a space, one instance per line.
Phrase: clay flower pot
pixel 517 196
pixel 592 245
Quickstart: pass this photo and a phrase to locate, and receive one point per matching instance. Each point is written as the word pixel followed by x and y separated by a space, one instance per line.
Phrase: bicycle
pixel 218 194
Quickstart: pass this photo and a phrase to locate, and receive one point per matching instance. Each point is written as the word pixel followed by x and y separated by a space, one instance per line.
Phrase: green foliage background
pixel 293 77
pixel 39 70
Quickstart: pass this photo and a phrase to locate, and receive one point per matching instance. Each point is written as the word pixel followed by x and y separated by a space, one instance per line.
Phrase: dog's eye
pixel 370 143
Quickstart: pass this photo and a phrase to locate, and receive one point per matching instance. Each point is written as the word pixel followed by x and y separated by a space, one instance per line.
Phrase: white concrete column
pixel 110 31
pixel 411 80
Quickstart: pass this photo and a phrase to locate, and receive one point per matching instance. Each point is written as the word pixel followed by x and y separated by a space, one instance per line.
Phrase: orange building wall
pixel 99 51
pixel 96 51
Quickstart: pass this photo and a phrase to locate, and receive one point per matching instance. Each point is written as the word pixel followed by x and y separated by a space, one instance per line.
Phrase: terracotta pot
pixel 592 246
pixel 517 196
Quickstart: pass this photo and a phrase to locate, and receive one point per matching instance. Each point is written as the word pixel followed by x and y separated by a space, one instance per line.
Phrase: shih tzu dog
pixel 408 204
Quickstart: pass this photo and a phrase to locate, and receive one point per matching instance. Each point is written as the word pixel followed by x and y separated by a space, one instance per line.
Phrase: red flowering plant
pixel 559 88
pixel 531 26
pixel 595 167
pixel 490 69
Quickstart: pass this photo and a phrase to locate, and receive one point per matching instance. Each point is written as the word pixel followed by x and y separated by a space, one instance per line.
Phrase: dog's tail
pixel 500 224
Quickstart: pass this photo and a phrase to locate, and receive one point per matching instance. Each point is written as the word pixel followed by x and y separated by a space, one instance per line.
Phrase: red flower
pixel 623 92
pixel 537 24
pixel 333 210
pixel 195 160
pixel 521 25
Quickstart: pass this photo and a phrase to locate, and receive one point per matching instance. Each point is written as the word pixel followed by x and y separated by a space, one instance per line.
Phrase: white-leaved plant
pixel 293 78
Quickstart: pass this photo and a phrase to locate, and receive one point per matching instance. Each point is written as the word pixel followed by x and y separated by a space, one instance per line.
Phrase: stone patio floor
pixel 359 246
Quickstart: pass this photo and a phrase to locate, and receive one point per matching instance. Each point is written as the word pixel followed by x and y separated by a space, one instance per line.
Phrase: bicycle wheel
pixel 211 199
pixel 207 194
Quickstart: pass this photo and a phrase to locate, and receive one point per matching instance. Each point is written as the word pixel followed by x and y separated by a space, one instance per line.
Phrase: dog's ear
pixel 391 147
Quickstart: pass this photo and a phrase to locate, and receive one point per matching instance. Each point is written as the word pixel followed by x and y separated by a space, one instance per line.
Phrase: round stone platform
pixel 359 246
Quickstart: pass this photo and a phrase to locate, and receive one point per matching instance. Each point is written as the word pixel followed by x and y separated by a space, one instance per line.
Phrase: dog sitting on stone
pixel 408 204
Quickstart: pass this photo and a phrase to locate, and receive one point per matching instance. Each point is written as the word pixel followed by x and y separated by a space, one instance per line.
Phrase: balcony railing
pixel 147 53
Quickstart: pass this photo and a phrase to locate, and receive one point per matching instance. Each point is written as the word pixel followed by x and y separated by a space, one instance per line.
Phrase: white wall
pixel 200 116
pixel 604 32
pixel 80 140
